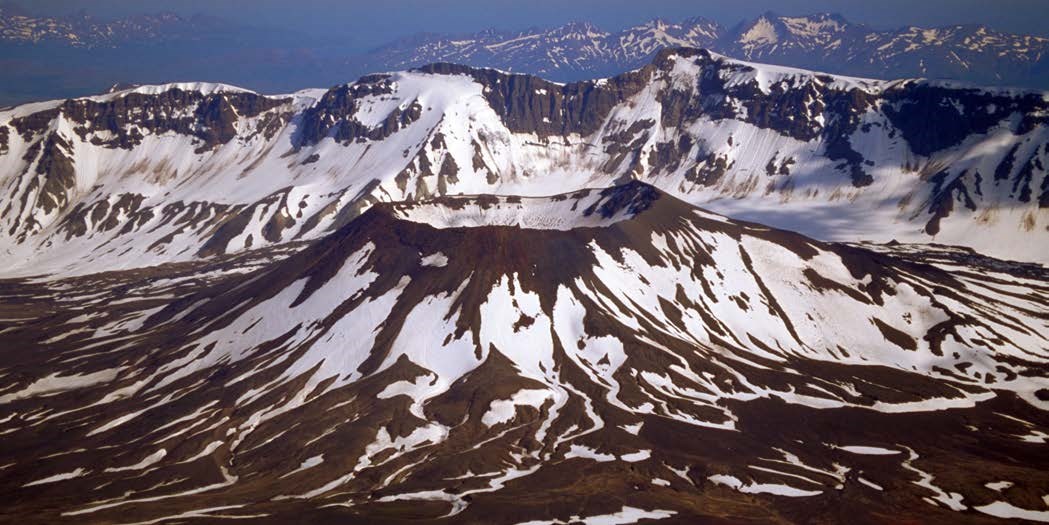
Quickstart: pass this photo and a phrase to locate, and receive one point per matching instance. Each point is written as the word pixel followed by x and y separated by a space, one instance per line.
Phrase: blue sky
pixel 365 24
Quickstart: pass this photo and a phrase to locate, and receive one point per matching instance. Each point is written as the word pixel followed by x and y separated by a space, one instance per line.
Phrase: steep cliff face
pixel 531 105
pixel 210 169
pixel 122 121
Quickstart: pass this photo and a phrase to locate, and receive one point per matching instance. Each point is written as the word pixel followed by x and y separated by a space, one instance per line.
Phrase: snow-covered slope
pixel 174 172
pixel 461 359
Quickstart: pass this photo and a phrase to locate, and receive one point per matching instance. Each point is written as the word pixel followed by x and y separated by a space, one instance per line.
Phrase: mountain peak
pixel 656 23
pixel 575 29
pixel 577 25
pixel 824 16
pixel 761 31
pixel 699 21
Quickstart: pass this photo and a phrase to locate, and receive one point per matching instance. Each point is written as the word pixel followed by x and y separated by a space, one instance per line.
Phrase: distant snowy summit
pixel 825 42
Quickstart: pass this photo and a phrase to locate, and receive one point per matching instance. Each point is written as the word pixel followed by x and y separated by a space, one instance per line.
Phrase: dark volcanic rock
pixel 529 104
pixel 333 115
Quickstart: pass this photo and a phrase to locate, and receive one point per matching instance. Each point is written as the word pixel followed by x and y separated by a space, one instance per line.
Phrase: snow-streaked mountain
pixel 974 53
pixel 173 172
pixel 576 50
pixel 826 42
pixel 598 356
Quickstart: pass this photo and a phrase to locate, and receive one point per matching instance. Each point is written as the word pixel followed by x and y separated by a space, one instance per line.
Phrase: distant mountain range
pixel 58 57
pixel 825 42
pixel 85 31
pixel 68 56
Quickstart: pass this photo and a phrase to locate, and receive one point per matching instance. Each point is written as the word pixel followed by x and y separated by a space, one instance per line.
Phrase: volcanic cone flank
pixel 495 359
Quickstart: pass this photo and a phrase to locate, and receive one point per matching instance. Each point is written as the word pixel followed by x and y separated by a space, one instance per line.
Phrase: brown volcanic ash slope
pixel 597 356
